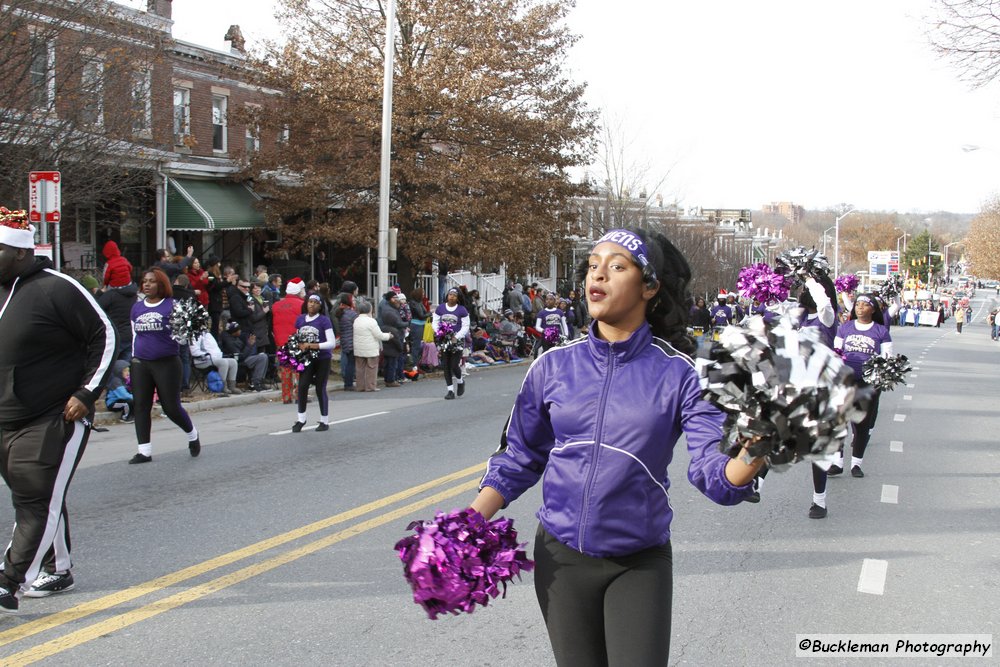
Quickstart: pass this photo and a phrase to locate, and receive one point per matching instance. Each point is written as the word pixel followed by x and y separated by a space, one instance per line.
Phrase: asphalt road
pixel 277 548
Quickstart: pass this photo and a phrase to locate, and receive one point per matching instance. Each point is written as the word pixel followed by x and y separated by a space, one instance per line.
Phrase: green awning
pixel 195 205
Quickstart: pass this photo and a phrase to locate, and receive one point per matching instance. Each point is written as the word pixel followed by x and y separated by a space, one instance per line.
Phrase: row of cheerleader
pixel 798 295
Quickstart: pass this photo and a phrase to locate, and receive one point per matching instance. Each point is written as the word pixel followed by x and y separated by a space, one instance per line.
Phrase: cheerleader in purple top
pixel 456 316
pixel 318 327
pixel 550 316
pixel 861 337
pixel 156 365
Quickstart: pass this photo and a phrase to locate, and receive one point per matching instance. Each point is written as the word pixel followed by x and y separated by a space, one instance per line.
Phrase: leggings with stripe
pixel 164 377
pixel 317 373
pixel 37 462
pixel 605 611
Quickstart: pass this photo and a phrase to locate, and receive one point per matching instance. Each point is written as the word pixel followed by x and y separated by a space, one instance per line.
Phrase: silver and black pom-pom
pixel 188 321
pixel 801 263
pixel 884 373
pixel 891 288
pixel 786 395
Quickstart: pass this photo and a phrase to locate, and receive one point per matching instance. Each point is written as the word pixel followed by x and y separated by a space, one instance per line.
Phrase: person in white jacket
pixel 205 352
pixel 368 339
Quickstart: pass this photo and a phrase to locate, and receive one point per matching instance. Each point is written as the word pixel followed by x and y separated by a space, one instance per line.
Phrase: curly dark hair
pixel 667 312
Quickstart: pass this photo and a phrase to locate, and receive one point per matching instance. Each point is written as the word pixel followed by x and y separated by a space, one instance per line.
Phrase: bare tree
pixel 627 184
pixel 76 83
pixel 967 33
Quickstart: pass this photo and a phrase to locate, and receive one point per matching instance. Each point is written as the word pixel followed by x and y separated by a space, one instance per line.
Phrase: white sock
pixel 193 435
pixel 451 388
pixel 819 499
pixel 838 460
pixel 460 381
pixel 855 461
pixel 300 416
pixel 324 419
pixel 146 449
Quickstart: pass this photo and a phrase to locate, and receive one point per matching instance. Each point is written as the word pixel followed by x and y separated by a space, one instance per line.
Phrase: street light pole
pixel 383 204
pixel 836 242
pixel 825 232
pixel 903 238
pixel 947 265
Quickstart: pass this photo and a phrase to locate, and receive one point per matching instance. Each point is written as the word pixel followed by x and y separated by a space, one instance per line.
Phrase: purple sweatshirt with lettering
pixel 600 420
pixel 151 330
pixel 859 346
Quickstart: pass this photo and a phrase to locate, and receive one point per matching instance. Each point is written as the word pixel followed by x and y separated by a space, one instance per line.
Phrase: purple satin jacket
pixel 601 420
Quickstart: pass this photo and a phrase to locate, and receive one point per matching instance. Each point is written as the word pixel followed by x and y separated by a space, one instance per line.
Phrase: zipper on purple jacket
pixel 599 429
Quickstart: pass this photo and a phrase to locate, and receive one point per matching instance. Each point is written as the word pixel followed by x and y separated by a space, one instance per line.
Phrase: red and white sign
pixel 44 192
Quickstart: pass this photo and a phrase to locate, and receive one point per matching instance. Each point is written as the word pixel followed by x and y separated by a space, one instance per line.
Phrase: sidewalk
pixel 202 401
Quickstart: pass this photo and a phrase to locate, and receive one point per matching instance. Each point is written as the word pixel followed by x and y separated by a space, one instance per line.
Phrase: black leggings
pixel 819 479
pixel 863 429
pixel 316 373
pixel 452 362
pixel 164 377
pixel 605 611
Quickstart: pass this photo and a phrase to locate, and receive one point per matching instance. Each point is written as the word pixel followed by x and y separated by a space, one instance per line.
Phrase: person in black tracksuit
pixel 57 351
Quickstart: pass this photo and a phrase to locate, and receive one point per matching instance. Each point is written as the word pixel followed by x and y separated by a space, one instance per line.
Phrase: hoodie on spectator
pixel 118 270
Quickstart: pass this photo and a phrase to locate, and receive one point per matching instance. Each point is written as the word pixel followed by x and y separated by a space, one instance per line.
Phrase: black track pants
pixel 37 463
pixel 605 611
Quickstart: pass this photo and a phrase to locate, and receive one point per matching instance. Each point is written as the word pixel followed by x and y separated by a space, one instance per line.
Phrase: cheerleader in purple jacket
pixel 597 421
pixel 456 316
pixel 156 365
pixel 861 337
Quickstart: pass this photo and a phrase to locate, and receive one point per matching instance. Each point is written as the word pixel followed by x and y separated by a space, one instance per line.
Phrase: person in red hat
pixel 284 313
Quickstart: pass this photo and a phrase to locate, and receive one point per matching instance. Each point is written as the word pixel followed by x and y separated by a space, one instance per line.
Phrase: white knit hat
pixel 15 230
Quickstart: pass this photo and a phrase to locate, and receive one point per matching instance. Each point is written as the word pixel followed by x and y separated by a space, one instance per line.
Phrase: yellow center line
pixel 101 604
pixel 126 619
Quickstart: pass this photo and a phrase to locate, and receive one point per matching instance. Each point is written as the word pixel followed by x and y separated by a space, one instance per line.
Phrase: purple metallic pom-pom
pixel 846 283
pixel 552 335
pixel 459 560
pixel 292 355
pixel 760 283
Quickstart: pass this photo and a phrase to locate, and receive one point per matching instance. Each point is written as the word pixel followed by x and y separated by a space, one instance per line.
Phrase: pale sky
pixel 741 103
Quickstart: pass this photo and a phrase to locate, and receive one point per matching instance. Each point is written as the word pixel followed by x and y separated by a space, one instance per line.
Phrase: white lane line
pixel 913 375
pixel 910 386
pixel 890 494
pixel 312 427
pixel 872 578
pixel 895 445
pixel 907 397
pixel 899 418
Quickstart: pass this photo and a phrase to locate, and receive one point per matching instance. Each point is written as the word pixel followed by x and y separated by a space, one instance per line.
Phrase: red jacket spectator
pixel 199 282
pixel 118 271
pixel 285 311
